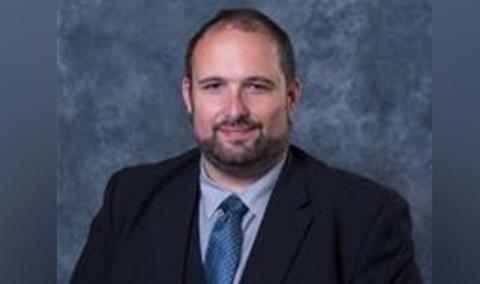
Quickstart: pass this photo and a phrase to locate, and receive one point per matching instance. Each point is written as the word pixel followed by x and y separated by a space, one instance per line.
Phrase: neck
pixel 235 183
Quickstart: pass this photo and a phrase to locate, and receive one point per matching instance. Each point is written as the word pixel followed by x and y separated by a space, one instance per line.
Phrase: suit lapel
pixel 174 233
pixel 286 221
pixel 194 273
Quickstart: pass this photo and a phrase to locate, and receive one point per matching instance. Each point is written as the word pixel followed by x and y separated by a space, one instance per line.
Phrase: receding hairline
pixel 228 25
pixel 245 24
pixel 248 21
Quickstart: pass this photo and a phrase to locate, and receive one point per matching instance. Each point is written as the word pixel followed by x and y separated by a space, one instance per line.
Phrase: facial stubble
pixel 255 158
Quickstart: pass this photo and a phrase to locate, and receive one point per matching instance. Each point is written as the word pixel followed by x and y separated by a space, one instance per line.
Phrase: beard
pixel 254 158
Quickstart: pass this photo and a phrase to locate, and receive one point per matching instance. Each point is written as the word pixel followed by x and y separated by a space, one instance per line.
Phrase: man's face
pixel 239 99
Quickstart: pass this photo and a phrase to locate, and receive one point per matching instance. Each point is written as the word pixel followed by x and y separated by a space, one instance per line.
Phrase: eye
pixel 212 86
pixel 257 87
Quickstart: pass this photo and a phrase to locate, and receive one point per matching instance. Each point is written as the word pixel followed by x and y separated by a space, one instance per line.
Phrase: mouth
pixel 237 132
pixel 236 128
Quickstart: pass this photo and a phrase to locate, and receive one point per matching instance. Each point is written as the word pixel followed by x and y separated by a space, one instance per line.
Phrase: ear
pixel 294 94
pixel 187 93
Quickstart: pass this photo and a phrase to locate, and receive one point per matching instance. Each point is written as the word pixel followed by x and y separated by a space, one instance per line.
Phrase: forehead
pixel 231 48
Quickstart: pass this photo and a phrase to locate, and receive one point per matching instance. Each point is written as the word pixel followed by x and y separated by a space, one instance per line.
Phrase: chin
pixel 236 152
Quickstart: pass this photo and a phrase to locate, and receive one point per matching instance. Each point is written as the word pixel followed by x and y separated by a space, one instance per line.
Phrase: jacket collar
pixel 286 221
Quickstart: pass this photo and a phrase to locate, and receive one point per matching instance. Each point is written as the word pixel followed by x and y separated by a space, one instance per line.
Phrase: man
pixel 245 207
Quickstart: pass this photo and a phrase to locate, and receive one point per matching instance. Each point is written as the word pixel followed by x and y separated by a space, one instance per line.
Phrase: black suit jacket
pixel 322 225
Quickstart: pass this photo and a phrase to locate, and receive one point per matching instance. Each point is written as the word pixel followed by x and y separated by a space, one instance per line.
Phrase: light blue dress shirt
pixel 255 197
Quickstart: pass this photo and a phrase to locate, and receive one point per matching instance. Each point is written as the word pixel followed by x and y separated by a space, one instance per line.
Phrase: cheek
pixel 275 120
pixel 200 124
pixel 203 119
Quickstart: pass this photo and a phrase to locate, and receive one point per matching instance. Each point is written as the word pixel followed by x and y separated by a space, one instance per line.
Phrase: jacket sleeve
pixel 387 254
pixel 93 264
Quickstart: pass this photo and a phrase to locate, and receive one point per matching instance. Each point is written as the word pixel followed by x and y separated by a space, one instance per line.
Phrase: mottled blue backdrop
pixel 366 66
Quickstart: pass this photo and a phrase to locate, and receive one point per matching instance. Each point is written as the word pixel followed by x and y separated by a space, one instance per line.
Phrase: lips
pixel 236 129
pixel 237 133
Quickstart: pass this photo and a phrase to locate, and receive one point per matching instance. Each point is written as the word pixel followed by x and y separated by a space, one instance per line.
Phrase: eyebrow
pixel 260 79
pixel 210 80
pixel 247 80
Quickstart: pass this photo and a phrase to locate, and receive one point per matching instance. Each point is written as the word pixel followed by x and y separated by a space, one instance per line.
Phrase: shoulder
pixel 147 175
pixel 345 193
pixel 131 189
pixel 368 221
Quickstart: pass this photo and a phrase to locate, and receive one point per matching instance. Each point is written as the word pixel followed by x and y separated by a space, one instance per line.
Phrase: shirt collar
pixel 255 197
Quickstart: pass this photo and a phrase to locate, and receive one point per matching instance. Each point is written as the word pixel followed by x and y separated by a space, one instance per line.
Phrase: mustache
pixel 242 121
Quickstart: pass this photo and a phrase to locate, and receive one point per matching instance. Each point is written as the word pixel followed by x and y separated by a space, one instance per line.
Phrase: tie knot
pixel 234 205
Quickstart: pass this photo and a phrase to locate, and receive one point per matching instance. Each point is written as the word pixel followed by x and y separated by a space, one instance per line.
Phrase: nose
pixel 236 106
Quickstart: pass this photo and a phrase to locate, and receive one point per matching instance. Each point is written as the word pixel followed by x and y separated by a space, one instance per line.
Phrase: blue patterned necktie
pixel 225 243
